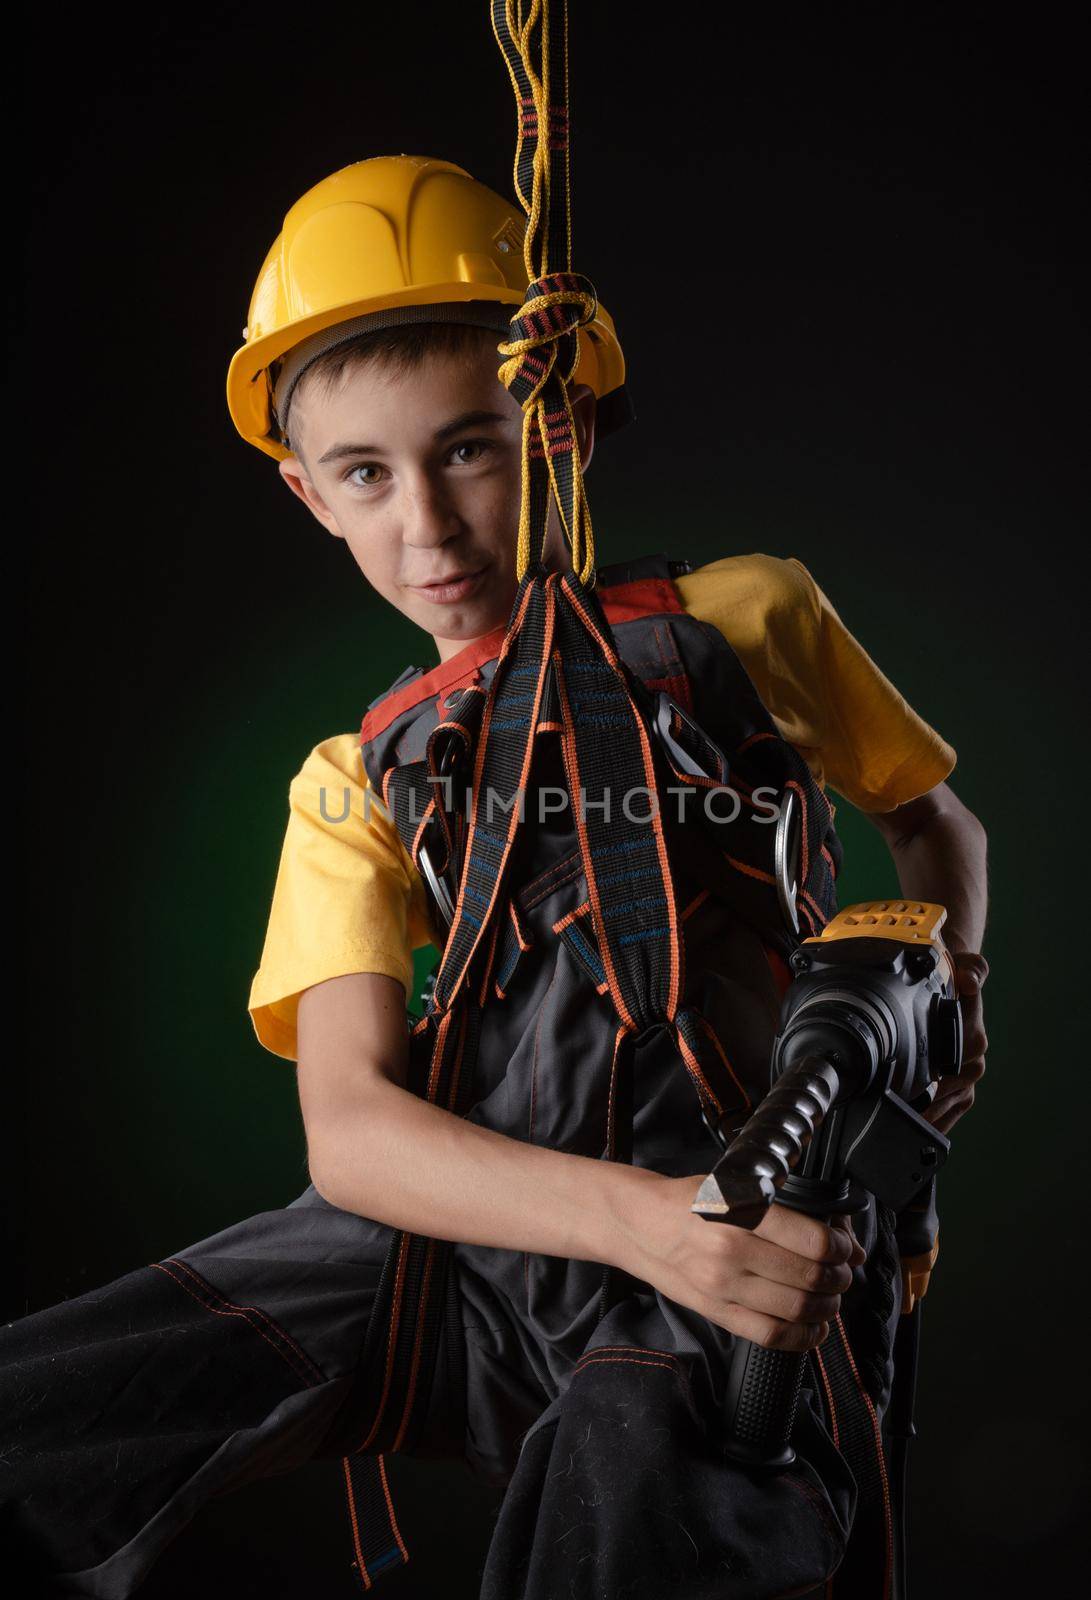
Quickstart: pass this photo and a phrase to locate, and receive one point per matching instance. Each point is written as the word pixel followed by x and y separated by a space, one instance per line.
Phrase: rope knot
pixel 542 351
pixel 554 307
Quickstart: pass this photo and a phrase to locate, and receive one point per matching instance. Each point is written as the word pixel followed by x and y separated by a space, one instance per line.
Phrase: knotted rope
pixel 543 349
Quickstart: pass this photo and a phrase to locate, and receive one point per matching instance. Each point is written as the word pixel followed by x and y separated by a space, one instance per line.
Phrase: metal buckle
pixel 664 708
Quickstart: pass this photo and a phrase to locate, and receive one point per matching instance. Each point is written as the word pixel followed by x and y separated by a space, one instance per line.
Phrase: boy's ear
pixel 295 476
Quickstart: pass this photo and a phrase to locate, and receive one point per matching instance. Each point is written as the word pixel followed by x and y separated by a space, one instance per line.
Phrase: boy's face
pixel 420 474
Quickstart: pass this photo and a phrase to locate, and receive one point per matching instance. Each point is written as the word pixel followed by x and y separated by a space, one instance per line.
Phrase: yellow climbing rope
pixel 543 349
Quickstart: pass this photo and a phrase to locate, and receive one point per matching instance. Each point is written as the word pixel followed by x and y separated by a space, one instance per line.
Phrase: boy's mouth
pixel 458 586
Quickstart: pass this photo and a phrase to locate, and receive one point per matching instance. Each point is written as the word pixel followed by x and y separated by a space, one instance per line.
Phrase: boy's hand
pixel 955 1094
pixel 780 1285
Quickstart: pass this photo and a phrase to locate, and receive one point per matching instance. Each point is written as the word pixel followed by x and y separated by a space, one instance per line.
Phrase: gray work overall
pixel 244 1354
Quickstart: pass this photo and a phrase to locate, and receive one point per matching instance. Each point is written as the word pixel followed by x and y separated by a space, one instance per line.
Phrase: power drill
pixel 869 1022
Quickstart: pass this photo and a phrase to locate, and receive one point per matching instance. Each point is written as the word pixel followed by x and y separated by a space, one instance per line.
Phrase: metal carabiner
pixel 787 842
pixel 665 709
pixel 440 892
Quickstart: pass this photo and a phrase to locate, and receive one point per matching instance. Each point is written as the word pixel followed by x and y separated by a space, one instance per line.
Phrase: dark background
pixel 839 252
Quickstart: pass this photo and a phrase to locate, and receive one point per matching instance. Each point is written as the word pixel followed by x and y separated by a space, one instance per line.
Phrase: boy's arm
pixel 940 852
pixel 379 1150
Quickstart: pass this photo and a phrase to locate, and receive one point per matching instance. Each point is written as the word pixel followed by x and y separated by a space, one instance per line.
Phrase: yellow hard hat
pixel 391 240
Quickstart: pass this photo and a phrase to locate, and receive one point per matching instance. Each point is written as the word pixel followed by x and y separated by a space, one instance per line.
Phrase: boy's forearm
pixel 414 1166
pixel 946 862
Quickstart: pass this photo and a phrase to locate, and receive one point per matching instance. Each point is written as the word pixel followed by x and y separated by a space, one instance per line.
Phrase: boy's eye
pixel 484 445
pixel 474 444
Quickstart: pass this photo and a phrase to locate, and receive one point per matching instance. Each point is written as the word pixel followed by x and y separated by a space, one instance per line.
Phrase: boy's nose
pixel 429 518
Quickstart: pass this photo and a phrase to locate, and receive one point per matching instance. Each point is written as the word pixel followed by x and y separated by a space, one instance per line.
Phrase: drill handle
pixel 743 1183
pixel 763 1385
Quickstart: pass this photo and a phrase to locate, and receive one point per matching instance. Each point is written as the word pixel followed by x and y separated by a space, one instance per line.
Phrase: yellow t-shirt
pixel 348 899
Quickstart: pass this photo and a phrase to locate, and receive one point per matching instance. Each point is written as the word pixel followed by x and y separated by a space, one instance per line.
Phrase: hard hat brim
pixel 601 364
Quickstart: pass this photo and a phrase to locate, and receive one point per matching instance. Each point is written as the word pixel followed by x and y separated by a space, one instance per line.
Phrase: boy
pixel 240 1355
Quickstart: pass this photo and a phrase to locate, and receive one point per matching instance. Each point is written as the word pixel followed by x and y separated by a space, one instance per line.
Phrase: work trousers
pixel 130 1407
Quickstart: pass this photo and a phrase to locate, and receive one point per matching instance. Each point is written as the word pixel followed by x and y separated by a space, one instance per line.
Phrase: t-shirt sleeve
pixel 346 898
pixel 876 749
pixel 859 735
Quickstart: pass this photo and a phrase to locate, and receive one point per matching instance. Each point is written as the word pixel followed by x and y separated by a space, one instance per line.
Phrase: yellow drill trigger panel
pixel 910 921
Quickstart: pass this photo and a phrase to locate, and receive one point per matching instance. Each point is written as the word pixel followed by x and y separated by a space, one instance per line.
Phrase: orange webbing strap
pixel 407 1322
pixel 609 761
pixel 377 1544
pixel 406 1325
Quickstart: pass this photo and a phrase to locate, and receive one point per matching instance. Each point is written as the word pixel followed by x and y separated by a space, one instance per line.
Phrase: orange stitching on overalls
pixel 632 1349
pixel 227 1310
pixel 750 872
pixel 820 1504
pixel 622 1361
pixel 670 1362
pixel 553 870
pixel 572 865
pixel 721 1052
pixel 271 1322
pixel 695 902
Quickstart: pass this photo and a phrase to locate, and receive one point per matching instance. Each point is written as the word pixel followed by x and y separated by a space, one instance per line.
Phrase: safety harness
pixel 603 689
